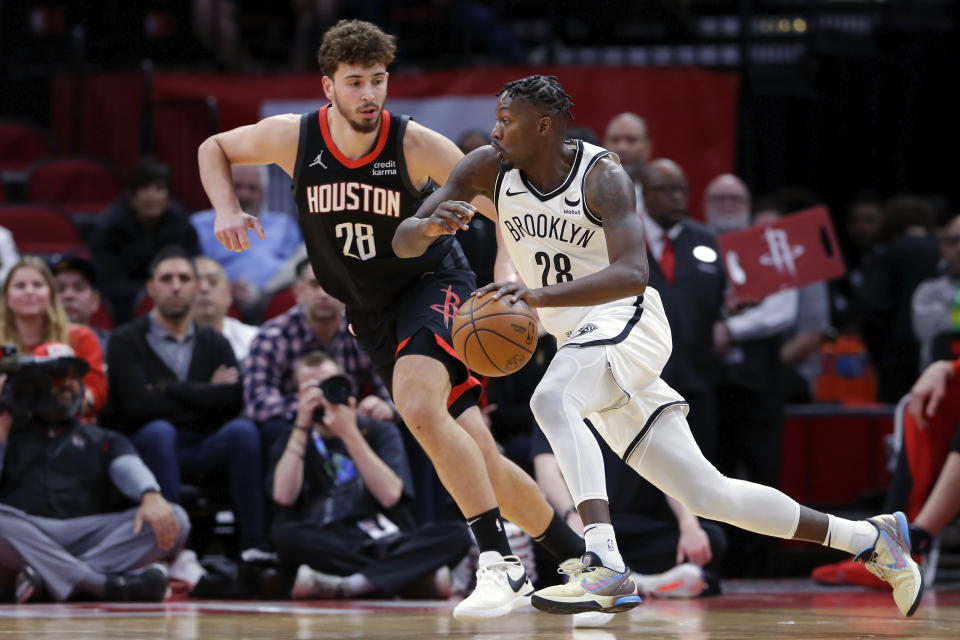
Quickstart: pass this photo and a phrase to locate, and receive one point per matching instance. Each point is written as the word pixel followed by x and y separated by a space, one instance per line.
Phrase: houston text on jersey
pixel 353 196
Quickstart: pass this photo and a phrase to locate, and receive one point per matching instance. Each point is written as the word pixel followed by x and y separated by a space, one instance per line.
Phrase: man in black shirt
pixel 59 527
pixel 176 388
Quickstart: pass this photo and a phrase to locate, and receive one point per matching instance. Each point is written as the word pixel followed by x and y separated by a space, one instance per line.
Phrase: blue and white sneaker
pixel 889 559
pixel 590 587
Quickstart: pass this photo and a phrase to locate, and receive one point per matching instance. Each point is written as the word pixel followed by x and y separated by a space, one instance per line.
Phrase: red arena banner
pixel 690 112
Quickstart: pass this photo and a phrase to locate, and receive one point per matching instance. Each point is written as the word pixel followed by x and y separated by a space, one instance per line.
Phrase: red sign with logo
pixel 791 252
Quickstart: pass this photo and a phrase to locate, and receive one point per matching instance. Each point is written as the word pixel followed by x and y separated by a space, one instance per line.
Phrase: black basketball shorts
pixel 420 322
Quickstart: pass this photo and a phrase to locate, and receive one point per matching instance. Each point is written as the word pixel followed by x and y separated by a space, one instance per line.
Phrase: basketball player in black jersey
pixel 358 171
pixel 613 380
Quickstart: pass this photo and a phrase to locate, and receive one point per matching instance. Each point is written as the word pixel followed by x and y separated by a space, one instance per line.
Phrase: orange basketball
pixel 494 338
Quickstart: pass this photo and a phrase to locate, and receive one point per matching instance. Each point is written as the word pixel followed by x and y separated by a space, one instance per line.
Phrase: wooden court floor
pixel 746 611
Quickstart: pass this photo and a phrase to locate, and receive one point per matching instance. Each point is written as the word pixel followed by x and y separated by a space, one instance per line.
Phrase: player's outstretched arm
pixel 448 210
pixel 271 141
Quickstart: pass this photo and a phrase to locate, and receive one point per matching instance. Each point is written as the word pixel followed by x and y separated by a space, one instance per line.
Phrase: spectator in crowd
pixel 32 314
pixel 750 406
pixel 131 232
pixel 930 453
pixel 907 255
pixel 936 302
pixel 316 323
pixel 726 204
pixel 665 545
pixel 177 390
pixel 800 353
pixel 346 485
pixel 212 304
pixel 77 285
pixel 862 223
pixel 479 242
pixel 249 271
pixel 932 439
pixel 685 269
pixel 627 136
pixel 59 528
pixel 9 255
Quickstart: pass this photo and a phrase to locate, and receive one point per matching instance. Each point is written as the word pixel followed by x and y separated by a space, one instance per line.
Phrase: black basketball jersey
pixel 350 209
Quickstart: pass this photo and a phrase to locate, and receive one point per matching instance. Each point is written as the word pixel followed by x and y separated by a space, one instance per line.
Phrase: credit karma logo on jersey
pixel 543 226
pixel 353 196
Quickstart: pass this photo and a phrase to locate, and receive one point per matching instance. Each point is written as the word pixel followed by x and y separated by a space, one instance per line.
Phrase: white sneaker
pixel 314 585
pixel 682 581
pixel 502 586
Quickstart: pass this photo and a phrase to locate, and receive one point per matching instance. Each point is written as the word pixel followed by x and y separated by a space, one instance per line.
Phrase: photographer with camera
pixel 32 314
pixel 343 483
pixel 59 529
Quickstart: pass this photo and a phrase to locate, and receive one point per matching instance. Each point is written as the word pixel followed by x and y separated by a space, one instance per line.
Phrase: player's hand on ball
pixel 450 216
pixel 514 292
pixel 231 229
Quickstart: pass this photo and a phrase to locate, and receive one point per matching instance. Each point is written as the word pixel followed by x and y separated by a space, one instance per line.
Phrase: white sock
pixel 601 540
pixel 849 535
pixel 488 557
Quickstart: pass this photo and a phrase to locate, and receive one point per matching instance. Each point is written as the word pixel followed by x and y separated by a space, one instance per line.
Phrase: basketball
pixel 493 337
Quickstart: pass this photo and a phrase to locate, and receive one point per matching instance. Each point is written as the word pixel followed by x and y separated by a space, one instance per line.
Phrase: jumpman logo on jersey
pixel 318 161
pixel 450 307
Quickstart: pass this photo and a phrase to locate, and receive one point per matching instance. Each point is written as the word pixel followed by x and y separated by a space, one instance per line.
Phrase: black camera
pixel 28 392
pixel 337 390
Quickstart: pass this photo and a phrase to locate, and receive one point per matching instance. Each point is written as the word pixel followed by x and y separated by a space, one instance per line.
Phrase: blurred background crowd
pixel 202 355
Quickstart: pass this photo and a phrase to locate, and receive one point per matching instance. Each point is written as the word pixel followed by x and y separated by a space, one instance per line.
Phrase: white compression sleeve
pixel 576 384
pixel 672 461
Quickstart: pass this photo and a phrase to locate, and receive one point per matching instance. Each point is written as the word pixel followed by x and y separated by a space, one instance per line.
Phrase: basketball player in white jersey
pixel 567 217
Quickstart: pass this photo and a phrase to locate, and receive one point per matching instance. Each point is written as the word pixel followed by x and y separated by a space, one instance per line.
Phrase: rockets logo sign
pixel 781 255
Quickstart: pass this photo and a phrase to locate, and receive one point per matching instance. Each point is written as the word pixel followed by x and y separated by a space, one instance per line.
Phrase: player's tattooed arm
pixel 448 210
pixel 610 194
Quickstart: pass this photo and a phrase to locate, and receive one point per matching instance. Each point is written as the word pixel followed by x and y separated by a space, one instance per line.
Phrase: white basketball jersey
pixel 554 237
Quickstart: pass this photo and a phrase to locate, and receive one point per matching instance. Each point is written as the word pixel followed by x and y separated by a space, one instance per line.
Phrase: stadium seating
pixel 22 144
pixel 280 302
pixel 79 185
pixel 40 229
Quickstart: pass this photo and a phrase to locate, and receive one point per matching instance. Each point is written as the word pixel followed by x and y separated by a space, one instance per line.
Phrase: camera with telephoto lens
pixel 29 391
pixel 337 390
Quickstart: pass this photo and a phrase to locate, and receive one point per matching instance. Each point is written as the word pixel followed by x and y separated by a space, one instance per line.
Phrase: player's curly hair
pixel 355 42
pixel 542 90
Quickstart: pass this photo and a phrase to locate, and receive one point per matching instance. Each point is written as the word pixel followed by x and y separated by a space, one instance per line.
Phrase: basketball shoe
pixel 590 587
pixel 502 586
pixel 681 581
pixel 889 559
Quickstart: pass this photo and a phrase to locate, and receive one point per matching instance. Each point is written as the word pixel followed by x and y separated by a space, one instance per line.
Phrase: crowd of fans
pixel 200 397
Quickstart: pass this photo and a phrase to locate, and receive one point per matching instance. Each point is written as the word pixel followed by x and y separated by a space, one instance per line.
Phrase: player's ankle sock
pixel 852 536
pixel 920 540
pixel 600 539
pixel 560 541
pixel 488 529
pixel 357 585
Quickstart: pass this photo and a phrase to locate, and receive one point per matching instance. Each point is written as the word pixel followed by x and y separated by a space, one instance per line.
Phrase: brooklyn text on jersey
pixel 543 226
